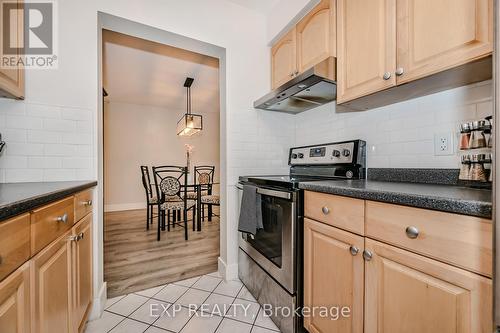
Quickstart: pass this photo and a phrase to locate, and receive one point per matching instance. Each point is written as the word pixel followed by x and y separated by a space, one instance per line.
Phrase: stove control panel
pixel 327 154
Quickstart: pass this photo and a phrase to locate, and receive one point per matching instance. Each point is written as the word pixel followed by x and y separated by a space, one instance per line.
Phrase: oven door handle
pixel 273 193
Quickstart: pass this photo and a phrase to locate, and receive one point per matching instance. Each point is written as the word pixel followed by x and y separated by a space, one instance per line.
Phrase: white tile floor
pixel 219 309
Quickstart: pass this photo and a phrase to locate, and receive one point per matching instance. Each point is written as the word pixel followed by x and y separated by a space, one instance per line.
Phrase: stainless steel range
pixel 270 262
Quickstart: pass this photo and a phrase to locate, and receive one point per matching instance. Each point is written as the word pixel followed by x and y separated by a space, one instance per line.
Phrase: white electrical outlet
pixel 443 144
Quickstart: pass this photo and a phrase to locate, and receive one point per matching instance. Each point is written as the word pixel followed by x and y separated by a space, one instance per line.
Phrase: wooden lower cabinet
pixel 409 293
pixel 52 287
pixel 15 301
pixel 81 250
pixel 333 266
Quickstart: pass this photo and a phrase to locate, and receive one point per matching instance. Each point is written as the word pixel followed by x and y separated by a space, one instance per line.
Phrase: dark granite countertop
pixel 19 198
pixel 447 198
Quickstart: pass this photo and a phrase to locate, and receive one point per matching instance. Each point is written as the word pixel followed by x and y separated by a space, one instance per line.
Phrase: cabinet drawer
pixel 342 212
pixel 50 222
pixel 14 244
pixel 460 240
pixel 83 204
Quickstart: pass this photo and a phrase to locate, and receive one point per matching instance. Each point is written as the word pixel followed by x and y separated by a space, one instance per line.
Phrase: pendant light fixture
pixel 190 123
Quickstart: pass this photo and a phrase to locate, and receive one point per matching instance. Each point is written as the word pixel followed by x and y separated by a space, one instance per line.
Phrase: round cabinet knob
pixel 294 156
pixel 354 250
pixel 336 153
pixel 412 232
pixel 63 219
pixel 325 210
pixel 387 75
pixel 301 155
pixel 400 71
pixel 346 152
pixel 367 255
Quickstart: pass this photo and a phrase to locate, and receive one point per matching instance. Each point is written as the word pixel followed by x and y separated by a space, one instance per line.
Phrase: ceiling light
pixel 190 123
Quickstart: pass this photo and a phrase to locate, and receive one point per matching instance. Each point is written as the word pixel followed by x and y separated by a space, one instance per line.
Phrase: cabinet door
pixel 15 301
pixel 316 35
pixel 366 47
pixel 82 270
pixel 284 59
pixel 437 35
pixel 51 274
pixel 409 293
pixel 12 78
pixel 333 276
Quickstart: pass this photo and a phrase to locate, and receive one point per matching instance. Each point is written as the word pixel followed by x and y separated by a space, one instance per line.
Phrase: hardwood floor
pixel 134 260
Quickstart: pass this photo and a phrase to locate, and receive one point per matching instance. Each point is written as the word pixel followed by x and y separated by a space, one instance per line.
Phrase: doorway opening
pixel 144 82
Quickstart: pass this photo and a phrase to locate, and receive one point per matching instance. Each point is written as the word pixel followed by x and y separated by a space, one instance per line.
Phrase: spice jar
pixel 465 168
pixel 464 136
pixel 477 138
pixel 477 172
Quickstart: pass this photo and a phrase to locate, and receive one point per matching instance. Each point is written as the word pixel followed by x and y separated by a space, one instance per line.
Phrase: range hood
pixel 314 87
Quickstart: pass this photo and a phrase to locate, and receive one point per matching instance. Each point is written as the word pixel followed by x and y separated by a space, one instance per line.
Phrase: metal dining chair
pixel 204 175
pixel 171 186
pixel 151 198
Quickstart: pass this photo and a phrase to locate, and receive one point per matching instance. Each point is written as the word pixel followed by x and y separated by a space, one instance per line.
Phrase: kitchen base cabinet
pixel 81 251
pixel 409 293
pixel 333 266
pixel 15 301
pixel 51 274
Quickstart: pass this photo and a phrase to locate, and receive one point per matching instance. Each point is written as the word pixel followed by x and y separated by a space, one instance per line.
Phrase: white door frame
pixel 131 28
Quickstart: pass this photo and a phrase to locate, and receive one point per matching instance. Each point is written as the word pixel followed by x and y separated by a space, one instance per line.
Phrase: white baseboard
pixel 99 303
pixel 228 272
pixel 127 206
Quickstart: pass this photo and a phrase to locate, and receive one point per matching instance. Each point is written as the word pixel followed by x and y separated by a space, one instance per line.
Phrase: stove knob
pixel 294 156
pixel 346 152
pixel 301 155
pixel 336 153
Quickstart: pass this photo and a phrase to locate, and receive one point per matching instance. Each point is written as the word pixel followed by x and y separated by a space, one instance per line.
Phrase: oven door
pixel 273 247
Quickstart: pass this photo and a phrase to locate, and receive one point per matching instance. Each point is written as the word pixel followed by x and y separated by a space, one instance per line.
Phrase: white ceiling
pixel 141 72
pixel 262 6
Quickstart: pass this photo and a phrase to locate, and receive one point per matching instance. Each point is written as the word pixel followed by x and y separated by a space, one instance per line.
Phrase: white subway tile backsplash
pixel 13 162
pixel 77 138
pixel 44 136
pixel 36 162
pixel 76 114
pixel 77 163
pixel 24 122
pixel 24 149
pixel 55 175
pixel 61 125
pixel 14 135
pixel 399 135
pixel 43 111
pixel 23 175
pixel 60 150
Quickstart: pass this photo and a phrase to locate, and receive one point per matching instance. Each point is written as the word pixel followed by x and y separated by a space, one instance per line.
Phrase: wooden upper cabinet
pixel 12 79
pixel 52 288
pixel 437 35
pixel 15 314
pixel 284 59
pixel 316 39
pixel 408 293
pixel 366 47
pixel 333 276
pixel 81 271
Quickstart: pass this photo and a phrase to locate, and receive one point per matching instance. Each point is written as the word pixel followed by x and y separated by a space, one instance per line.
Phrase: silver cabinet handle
pixel 73 238
pixel 354 250
pixel 63 219
pixel 412 232
pixel 80 236
pixel 367 255
pixel 400 71
pixel 296 72
pixel 325 210
pixel 88 203
pixel 291 74
pixel 387 75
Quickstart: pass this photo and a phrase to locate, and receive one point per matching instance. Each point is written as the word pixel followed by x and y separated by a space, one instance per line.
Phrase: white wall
pixel 252 136
pixel 400 135
pixel 136 135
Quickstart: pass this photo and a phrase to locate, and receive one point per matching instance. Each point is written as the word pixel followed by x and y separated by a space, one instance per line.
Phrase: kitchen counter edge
pixel 37 196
